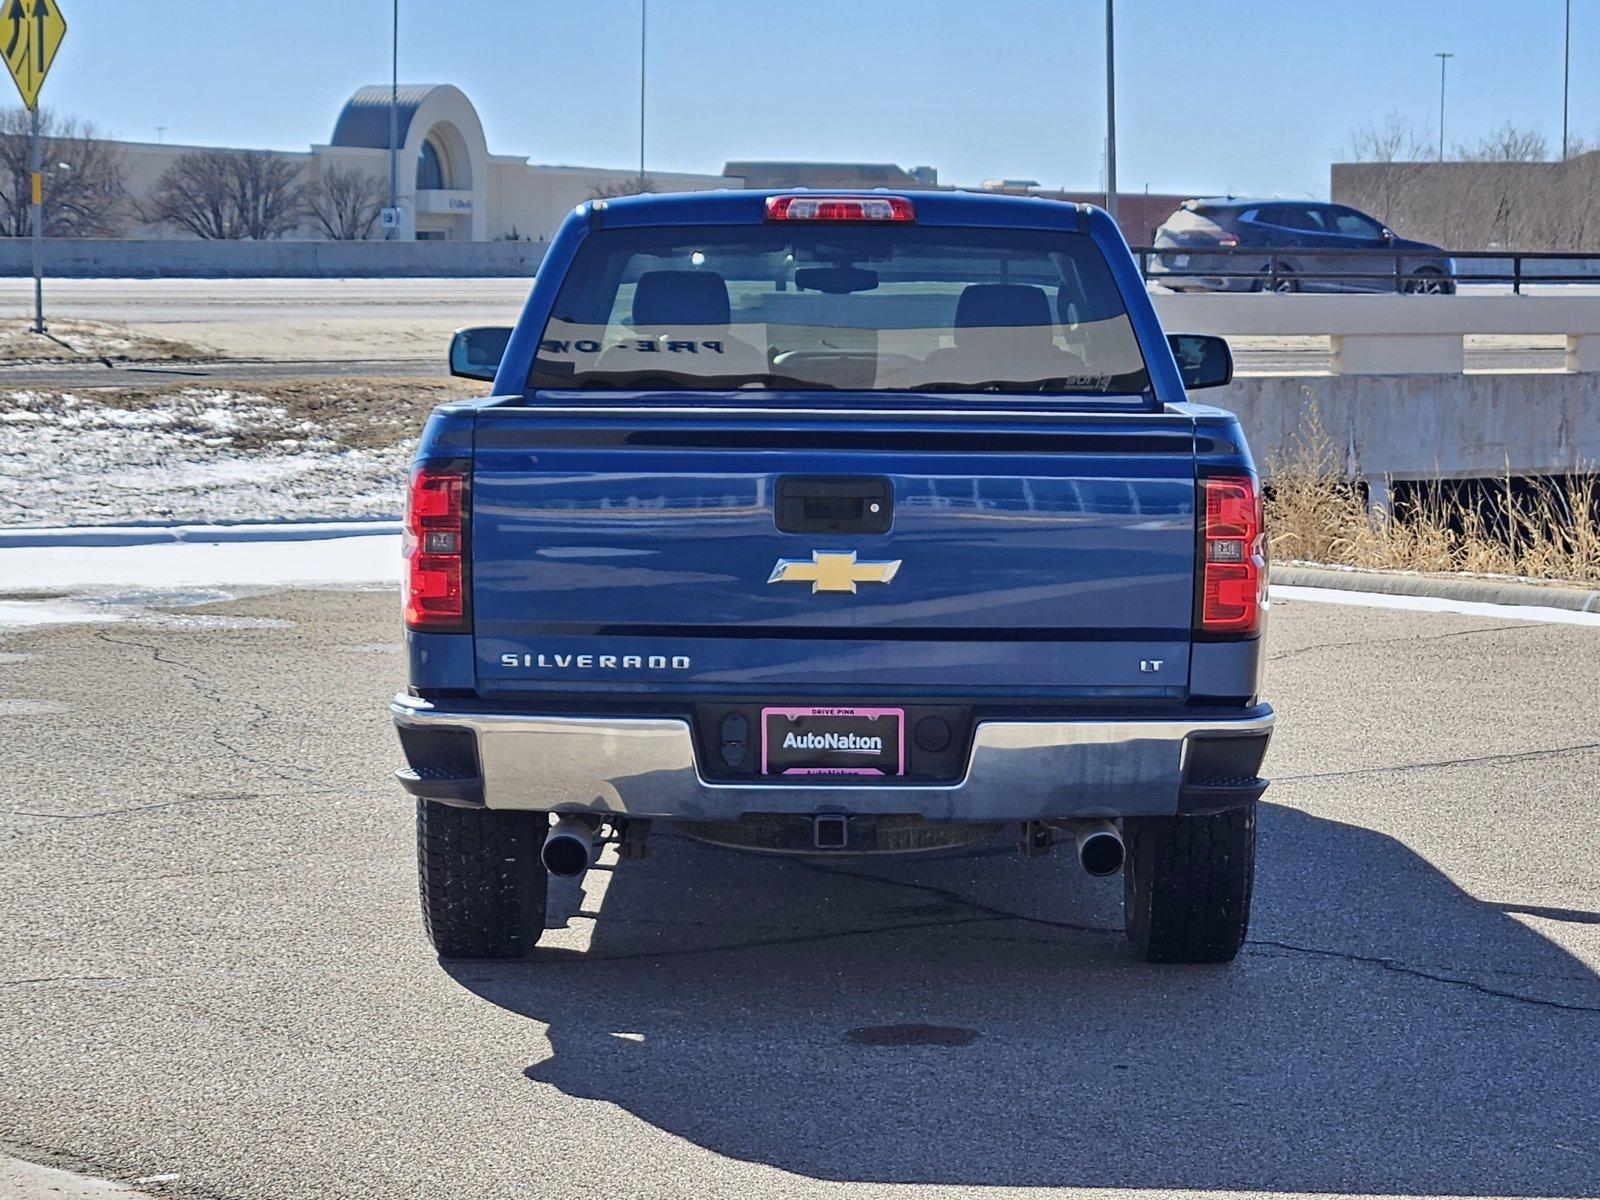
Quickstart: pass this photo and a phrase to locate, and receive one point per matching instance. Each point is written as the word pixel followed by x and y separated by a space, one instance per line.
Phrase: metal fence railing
pixel 1396 270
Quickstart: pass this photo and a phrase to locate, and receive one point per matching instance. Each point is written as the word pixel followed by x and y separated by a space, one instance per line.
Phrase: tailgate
pixel 640 549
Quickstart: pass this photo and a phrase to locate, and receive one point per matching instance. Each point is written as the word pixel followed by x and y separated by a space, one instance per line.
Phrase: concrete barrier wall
pixel 1424 426
pixel 85 258
pixel 1388 334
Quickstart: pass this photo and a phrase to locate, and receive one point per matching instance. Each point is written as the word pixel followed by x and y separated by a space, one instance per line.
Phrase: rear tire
pixel 482 882
pixel 1429 281
pixel 1187 883
pixel 1286 284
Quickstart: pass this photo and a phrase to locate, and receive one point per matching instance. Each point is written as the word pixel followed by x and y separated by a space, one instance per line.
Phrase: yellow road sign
pixel 30 34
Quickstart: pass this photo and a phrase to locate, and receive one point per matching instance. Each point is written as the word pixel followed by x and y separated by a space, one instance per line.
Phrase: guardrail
pixel 1413 271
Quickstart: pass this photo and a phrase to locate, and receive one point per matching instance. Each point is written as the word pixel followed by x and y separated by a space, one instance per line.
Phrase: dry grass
pixel 71 340
pixel 1537 529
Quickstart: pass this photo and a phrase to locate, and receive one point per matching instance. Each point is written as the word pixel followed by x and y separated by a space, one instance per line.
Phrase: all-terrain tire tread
pixel 481 880
pixel 1188 885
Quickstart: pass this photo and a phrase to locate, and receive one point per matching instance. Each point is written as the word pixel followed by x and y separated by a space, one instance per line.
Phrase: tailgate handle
pixel 834 504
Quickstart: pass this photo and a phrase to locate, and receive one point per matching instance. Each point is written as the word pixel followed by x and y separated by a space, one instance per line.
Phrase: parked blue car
pixel 1305 247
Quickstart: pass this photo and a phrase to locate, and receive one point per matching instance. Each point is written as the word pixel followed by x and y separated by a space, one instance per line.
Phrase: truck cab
pixel 832 524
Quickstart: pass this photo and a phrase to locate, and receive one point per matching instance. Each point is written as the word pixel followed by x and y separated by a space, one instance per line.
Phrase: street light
pixel 1111 111
pixel 1443 58
pixel 1566 85
pixel 643 5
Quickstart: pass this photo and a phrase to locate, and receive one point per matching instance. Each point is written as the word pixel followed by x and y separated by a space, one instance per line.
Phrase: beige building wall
pixel 484 197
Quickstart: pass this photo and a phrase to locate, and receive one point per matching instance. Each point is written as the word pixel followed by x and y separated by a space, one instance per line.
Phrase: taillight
pixel 1233 551
pixel 840 208
pixel 434 544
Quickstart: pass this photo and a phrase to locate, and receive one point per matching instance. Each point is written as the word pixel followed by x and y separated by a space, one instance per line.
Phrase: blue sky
pixel 1244 95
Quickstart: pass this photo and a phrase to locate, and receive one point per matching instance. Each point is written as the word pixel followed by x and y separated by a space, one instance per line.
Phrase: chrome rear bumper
pixel 1016 770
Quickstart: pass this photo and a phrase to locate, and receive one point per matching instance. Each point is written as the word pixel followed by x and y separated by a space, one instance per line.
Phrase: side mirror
pixel 476 353
pixel 1203 361
pixel 1387 237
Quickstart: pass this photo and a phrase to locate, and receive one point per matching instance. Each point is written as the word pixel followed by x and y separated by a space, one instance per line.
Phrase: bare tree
pixel 83 190
pixel 1506 143
pixel 632 186
pixel 347 202
pixel 267 194
pixel 1396 139
pixel 228 194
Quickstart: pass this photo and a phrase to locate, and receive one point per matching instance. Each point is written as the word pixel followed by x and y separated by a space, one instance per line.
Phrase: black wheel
pixel 1284 284
pixel 1186 885
pixel 1429 281
pixel 482 882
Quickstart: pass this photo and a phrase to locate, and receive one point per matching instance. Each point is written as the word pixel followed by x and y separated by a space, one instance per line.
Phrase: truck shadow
pixel 972 1020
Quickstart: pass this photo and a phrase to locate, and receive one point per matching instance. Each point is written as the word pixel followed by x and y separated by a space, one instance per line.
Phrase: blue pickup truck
pixel 835 524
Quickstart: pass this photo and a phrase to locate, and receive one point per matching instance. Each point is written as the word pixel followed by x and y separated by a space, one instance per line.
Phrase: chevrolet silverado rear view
pixel 835 524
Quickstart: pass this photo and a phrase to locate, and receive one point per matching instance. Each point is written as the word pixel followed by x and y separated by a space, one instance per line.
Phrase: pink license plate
pixel 829 740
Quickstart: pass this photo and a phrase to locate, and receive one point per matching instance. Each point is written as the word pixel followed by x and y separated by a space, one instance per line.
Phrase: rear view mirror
pixel 1203 361
pixel 476 353
pixel 836 281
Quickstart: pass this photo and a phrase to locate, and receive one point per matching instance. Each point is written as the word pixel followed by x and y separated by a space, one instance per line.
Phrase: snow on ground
pixel 339 561
pixel 278 450
pixel 65 584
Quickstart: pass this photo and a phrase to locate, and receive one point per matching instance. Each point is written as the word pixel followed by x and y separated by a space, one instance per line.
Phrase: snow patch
pixel 207 453
pixel 169 566
pixel 1468 608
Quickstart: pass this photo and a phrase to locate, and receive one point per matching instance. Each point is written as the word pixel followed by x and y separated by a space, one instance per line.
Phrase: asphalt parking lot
pixel 214 970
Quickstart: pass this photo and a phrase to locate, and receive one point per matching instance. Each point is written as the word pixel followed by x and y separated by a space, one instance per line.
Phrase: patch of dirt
pixel 76 341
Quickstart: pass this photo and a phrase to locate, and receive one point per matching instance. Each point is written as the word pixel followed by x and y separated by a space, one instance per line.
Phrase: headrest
pixel 680 298
pixel 991 305
pixel 1020 309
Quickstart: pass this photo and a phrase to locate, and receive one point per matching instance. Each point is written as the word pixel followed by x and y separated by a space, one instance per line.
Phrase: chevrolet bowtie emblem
pixel 832 572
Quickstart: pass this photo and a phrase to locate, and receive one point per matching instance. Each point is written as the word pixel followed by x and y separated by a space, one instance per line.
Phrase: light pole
pixel 36 215
pixel 1111 110
pixel 394 121
pixel 1566 85
pixel 1443 59
pixel 643 12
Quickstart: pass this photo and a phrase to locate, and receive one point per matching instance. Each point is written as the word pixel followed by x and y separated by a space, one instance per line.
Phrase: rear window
pixel 823 307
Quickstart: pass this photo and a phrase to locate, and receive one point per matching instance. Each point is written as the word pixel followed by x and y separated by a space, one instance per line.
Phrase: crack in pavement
pixel 988 913
pixel 1401 968
pixel 202 685
pixel 1499 627
pixel 296 776
pixel 555 955
pixel 1516 756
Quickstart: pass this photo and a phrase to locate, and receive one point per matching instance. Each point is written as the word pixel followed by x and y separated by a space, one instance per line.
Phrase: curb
pixel 1479 591
pixel 155 535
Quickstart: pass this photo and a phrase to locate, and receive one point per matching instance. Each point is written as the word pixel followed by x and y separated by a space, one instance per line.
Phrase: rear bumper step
pixel 646 767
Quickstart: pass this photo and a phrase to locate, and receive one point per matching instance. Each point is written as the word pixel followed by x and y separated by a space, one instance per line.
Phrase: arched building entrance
pixel 444 160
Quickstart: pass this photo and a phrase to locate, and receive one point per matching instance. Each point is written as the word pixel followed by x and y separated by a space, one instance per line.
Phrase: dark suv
pixel 1313 244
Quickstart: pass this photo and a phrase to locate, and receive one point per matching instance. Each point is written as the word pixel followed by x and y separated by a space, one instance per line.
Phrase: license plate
pixel 833 741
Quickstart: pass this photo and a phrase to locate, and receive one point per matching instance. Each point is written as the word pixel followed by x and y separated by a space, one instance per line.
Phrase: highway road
pixel 312 327
pixel 214 973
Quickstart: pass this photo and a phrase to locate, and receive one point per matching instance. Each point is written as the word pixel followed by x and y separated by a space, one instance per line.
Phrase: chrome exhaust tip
pixel 568 847
pixel 1100 849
